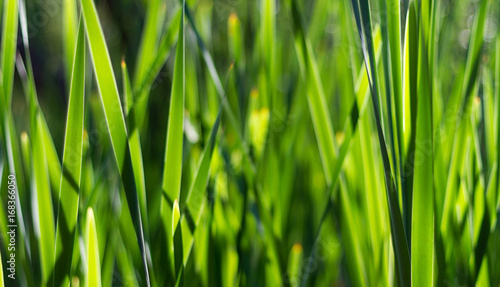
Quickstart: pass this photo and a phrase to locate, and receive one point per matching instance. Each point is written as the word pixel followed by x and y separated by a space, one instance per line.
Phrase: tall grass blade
pixel 315 95
pixel 9 43
pixel 173 154
pixel 146 57
pixel 400 244
pixel 134 140
pixel 470 77
pixel 422 226
pixel 114 117
pixel 172 170
pixel 196 197
pixel 70 30
pixel 409 108
pixel 72 166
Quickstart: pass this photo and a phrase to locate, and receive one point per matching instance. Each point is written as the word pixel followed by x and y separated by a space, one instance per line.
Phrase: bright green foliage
pixel 71 167
pixel 93 274
pixel 251 143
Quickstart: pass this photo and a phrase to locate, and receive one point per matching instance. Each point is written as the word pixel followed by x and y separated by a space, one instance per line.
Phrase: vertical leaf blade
pixel 71 168
pixel 422 241
pixel 114 117
pixel 93 275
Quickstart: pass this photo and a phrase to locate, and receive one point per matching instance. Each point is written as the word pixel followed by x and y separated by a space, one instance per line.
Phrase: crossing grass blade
pixel 93 274
pixel 469 82
pixel 42 214
pixel 315 95
pixel 7 64
pixel 401 251
pixel 195 200
pixel 422 225
pixel 134 140
pixel 196 197
pixel 141 88
pixel 71 167
pixel 114 117
pixel 146 57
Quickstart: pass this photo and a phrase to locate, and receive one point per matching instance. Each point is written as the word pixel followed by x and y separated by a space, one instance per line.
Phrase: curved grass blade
pixel 114 117
pixel 72 166
pixel 93 275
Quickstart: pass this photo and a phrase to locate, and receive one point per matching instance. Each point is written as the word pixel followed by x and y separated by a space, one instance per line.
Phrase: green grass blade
pixel 114 117
pixel 409 108
pixel 248 163
pixel 148 45
pixel 497 112
pixel 141 90
pixel 294 265
pixel 72 166
pixel 470 77
pixel 400 244
pixel 195 196
pixel 172 170
pixel 146 57
pixel 9 42
pixel 45 217
pixel 69 36
pixel 422 227
pixel 134 140
pixel 2 284
pixel 93 275
pixel 173 155
pixel 315 95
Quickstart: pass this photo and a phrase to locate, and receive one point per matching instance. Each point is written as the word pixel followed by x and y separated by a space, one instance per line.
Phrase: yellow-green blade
pixel 9 43
pixel 93 275
pixel 422 227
